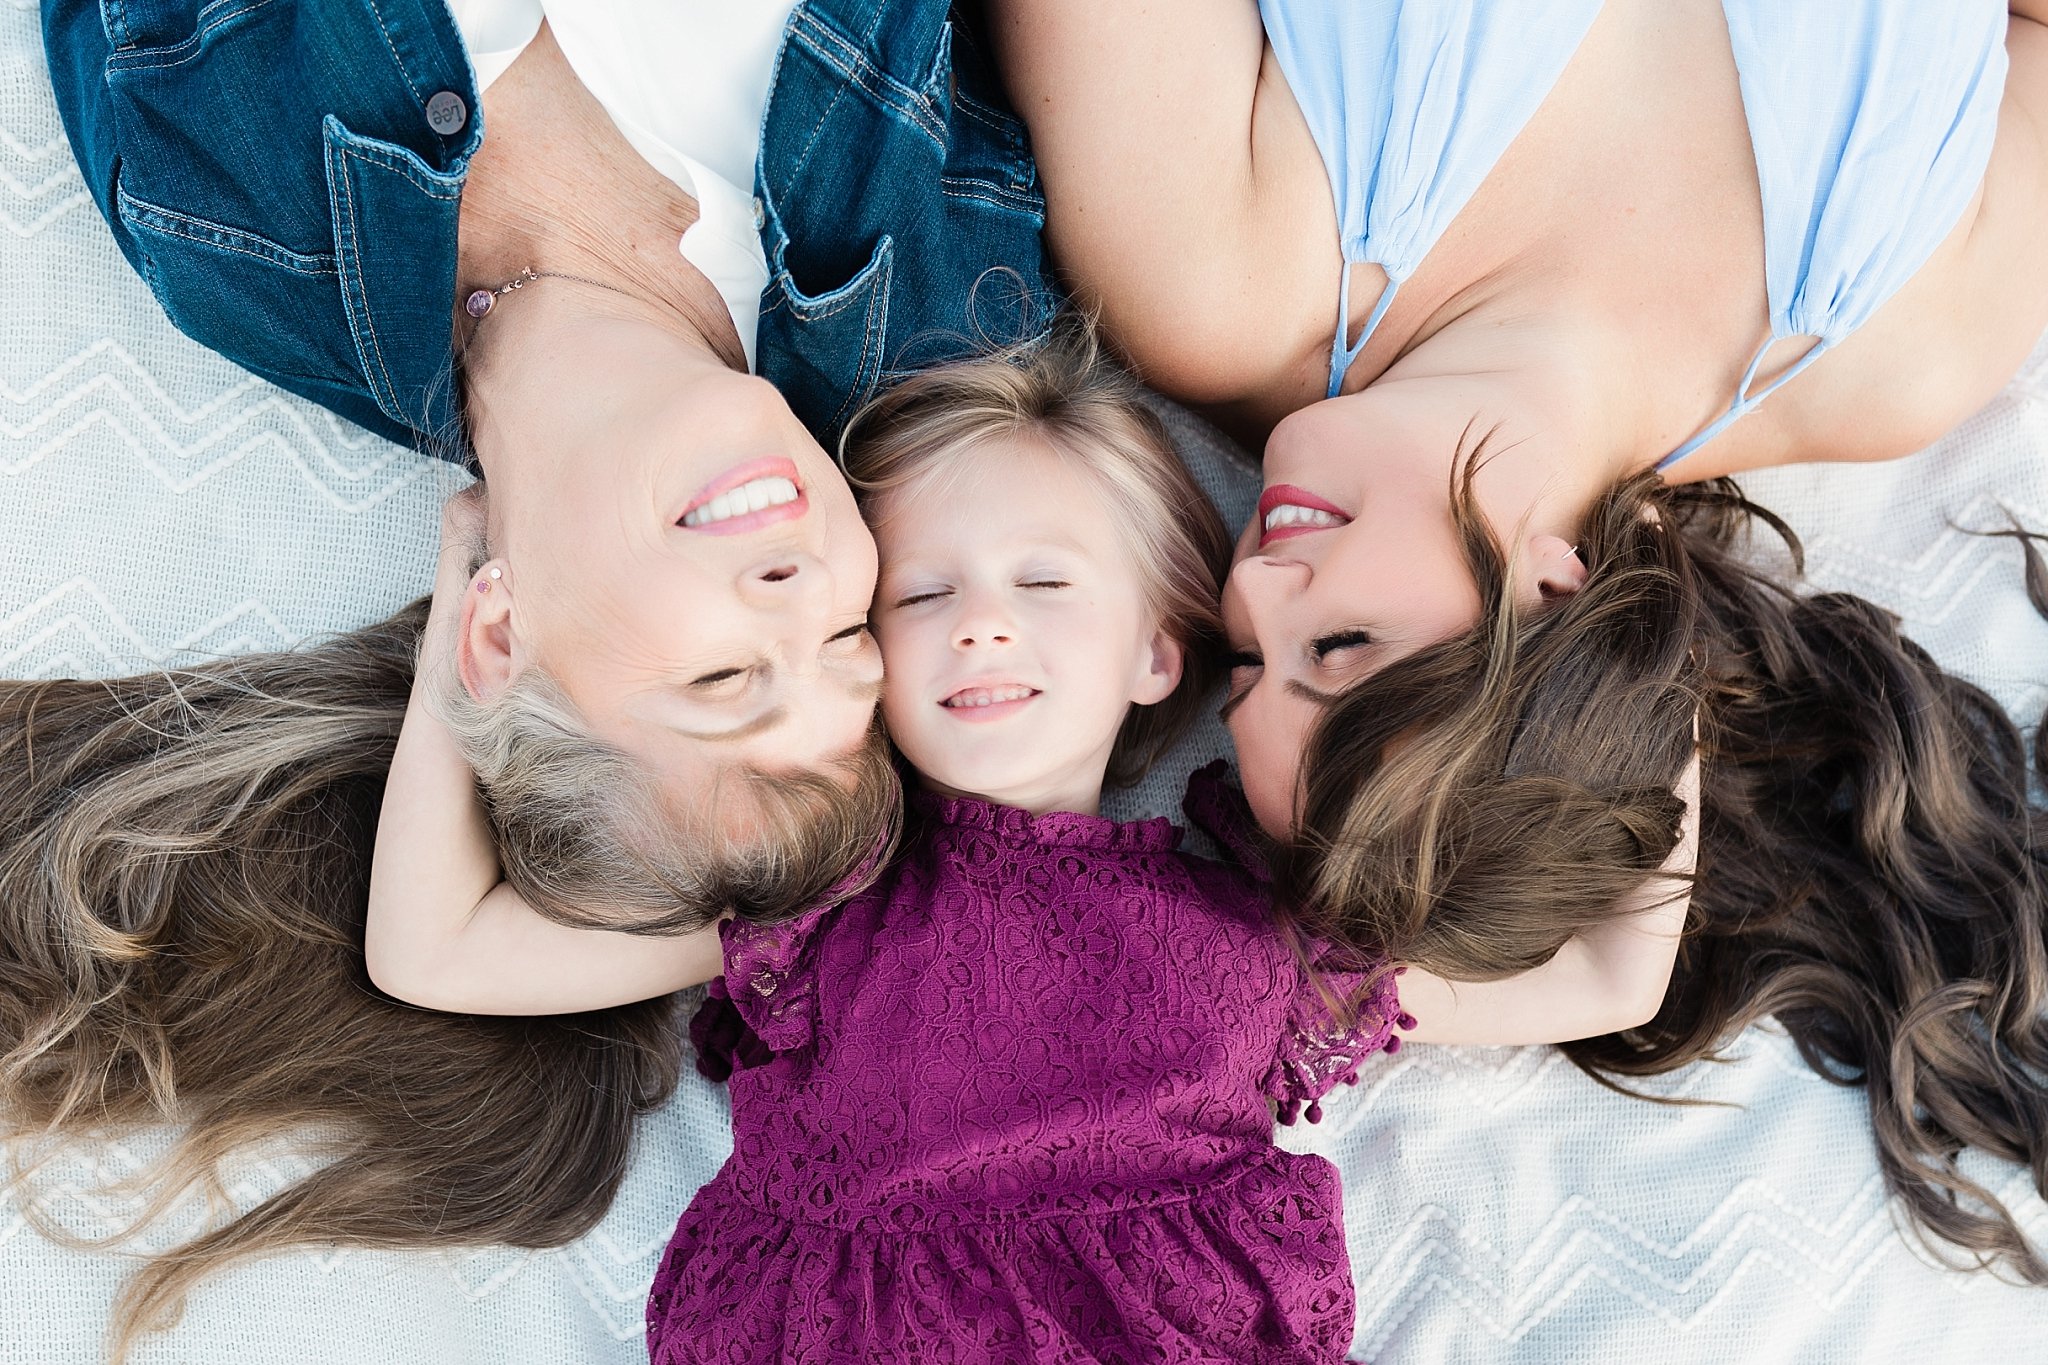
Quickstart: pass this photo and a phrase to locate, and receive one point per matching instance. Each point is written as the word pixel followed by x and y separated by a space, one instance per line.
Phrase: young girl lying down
pixel 1012 1096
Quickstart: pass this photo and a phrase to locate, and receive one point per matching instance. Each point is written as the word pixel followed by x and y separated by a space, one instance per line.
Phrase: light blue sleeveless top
pixel 1872 123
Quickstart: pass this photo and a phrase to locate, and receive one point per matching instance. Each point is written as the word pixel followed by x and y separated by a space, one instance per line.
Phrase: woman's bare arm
pixel 444 931
pixel 1601 981
pixel 1185 197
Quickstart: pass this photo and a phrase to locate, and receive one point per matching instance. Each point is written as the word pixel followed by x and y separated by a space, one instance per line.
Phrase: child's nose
pixel 985 633
pixel 984 622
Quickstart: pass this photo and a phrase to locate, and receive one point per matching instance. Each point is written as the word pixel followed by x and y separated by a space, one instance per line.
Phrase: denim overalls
pixel 900 205
pixel 286 174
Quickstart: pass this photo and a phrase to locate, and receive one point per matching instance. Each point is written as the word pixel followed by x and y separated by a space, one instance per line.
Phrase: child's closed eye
pixel 913 598
pixel 1045 583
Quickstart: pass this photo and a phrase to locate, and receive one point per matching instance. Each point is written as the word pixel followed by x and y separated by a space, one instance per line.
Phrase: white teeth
pixel 1287 514
pixel 748 497
pixel 988 696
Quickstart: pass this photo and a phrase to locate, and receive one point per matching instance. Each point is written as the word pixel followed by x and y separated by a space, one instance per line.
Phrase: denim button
pixel 446 113
pixel 760 213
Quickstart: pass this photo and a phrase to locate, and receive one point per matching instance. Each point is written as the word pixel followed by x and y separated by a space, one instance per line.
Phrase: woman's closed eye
pixel 1338 641
pixel 853 637
pixel 721 683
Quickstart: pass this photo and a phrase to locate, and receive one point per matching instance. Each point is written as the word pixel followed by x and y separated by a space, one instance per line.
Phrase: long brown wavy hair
pixel 1871 872
pixel 184 863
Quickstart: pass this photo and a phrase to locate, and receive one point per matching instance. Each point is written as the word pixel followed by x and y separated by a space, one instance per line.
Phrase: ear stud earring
pixel 484 584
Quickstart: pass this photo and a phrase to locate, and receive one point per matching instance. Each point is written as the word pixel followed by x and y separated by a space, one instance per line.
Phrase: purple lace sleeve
pixel 770 977
pixel 1216 805
pixel 720 1035
pixel 1337 1022
pixel 1331 1031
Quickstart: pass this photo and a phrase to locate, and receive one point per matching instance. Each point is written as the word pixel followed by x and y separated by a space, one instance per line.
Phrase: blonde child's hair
pixel 1065 391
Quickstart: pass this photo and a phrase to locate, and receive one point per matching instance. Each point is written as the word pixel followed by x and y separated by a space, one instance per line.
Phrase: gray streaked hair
pixel 184 869
pixel 585 835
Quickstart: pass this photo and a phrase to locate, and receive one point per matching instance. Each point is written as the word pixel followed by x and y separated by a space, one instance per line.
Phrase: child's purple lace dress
pixel 1011 1104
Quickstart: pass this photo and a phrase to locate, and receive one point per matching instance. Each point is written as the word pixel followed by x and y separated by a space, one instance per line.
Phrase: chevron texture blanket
pixel 159 506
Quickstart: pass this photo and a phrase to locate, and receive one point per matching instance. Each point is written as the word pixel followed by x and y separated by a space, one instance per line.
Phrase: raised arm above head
pixel 1603 980
pixel 444 929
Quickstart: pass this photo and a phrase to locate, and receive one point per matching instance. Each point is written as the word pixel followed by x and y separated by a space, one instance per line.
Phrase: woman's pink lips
pixel 1287 495
pixel 769 467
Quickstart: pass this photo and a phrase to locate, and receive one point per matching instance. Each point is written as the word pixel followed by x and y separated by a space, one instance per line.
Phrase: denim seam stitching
pixel 949 182
pixel 384 32
pixel 115 63
pixel 366 335
pixel 844 67
pixel 210 6
pixel 877 293
pixel 398 166
pixel 885 88
pixel 1005 126
pixel 188 228
pixel 984 115
pixel 875 15
pixel 995 196
pixel 802 158
pixel 808 312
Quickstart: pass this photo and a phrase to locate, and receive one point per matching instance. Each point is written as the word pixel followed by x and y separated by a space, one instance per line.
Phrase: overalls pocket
pixel 836 336
pixel 227 226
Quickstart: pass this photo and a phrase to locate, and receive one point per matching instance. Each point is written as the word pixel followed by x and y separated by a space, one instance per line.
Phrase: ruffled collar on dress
pixel 1054 829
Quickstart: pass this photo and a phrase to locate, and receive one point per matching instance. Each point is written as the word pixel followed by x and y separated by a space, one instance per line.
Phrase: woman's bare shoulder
pixel 1185 196
pixel 1949 340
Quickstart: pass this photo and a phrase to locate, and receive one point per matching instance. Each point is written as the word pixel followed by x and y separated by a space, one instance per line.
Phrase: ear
pixel 1559 570
pixel 487 648
pixel 1159 674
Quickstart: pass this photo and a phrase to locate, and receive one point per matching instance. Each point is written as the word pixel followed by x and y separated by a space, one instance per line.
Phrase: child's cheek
pixel 907 678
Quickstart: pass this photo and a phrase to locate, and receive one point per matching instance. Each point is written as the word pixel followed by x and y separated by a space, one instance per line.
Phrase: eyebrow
pixel 1322 701
pixel 768 720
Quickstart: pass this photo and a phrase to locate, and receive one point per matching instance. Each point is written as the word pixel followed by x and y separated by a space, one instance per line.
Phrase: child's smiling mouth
pixel 988 701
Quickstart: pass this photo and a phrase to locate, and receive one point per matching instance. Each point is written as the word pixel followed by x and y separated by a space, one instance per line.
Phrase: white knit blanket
pixel 159 505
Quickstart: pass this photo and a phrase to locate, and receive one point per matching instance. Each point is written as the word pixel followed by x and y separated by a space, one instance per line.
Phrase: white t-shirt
pixel 686 82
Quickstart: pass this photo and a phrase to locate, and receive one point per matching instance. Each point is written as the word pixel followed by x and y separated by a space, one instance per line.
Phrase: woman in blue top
pixel 1505 287
pixel 1580 230
pixel 307 188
